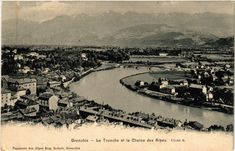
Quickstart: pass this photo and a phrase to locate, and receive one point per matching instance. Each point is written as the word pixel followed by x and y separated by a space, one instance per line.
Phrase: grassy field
pixel 153 76
pixel 216 56
pixel 156 59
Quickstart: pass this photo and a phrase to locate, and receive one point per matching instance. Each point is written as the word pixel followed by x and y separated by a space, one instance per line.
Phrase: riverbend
pixel 104 87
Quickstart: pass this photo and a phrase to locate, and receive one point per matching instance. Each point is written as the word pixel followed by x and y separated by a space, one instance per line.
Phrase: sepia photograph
pixel 117 75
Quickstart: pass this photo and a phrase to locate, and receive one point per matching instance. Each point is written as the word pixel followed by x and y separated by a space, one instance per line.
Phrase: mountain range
pixel 128 29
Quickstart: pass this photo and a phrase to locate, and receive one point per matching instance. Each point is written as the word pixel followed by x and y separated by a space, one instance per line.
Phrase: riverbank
pixel 108 90
pixel 171 98
pixel 104 66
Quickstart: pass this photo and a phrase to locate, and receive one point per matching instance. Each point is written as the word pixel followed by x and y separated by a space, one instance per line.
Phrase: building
pixel 18 92
pixel 196 88
pixel 84 56
pixel 28 105
pixel 140 83
pixel 53 84
pixel 48 101
pixel 33 54
pixel 41 56
pixel 45 71
pixel 28 84
pixel 18 57
pixel 181 82
pixel 163 82
pixel 6 97
pixel 162 54
pixel 4 79
pixel 65 103
pixel 25 70
pixel 168 89
pixel 195 125
pixel 209 96
pixel 92 118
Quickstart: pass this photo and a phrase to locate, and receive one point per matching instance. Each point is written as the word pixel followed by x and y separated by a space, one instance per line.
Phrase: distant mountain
pixel 158 35
pixel 223 42
pixel 128 29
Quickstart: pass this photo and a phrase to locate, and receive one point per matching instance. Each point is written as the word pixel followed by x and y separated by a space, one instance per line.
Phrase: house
pixel 28 112
pixel 25 70
pixel 41 56
pixel 92 118
pixel 162 54
pixel 79 101
pixel 4 79
pixel 163 82
pixel 48 101
pixel 166 122
pixel 84 57
pixel 196 88
pixel 195 125
pixel 18 57
pixel 79 69
pixel 41 82
pixel 33 54
pixel 64 103
pixel 11 116
pixel 62 78
pixel 53 84
pixel 6 97
pixel 31 97
pixel 168 89
pixel 139 83
pixel 45 70
pixel 209 96
pixel 18 92
pixel 28 105
pixel 28 84
pixel 181 82
pixel 14 51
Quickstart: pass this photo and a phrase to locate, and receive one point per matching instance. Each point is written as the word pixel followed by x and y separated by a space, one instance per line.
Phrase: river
pixel 104 87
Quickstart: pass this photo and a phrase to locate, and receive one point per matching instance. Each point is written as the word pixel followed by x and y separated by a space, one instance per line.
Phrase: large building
pixel 28 84
pixel 197 89
pixel 5 97
pixel 28 105
pixel 48 101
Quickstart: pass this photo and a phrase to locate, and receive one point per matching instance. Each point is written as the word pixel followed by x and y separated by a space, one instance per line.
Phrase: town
pixel 35 84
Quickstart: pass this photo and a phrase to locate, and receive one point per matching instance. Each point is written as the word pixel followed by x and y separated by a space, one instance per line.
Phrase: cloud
pixel 41 11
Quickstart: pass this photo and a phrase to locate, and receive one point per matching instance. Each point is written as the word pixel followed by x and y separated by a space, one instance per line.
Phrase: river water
pixel 104 87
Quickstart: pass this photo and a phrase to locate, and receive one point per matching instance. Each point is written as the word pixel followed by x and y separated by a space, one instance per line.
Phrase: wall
pixel 53 103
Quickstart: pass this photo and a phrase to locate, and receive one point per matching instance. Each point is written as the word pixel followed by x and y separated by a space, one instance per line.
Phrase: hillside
pixel 128 29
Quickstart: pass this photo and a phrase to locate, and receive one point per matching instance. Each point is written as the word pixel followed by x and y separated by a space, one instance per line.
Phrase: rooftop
pixel 4 91
pixel 196 86
pixel 46 95
pixel 27 102
pixel 22 81
pixel 29 97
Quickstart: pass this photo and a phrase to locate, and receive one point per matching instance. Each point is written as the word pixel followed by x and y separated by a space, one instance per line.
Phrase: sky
pixel 40 11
